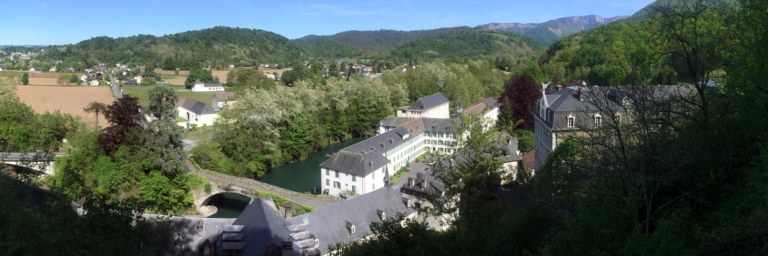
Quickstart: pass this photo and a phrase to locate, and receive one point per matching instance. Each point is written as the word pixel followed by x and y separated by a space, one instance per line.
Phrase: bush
pixel 208 188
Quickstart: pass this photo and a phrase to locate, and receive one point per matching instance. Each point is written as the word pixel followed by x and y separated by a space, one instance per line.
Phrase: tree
pixel 148 81
pixel 518 101
pixel 25 78
pixel 162 102
pixel 203 75
pixel 96 108
pixel 124 118
pixel 73 79
pixel 7 91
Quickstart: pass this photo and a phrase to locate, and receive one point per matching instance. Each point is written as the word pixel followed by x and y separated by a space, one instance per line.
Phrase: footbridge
pixel 223 183
pixel 36 161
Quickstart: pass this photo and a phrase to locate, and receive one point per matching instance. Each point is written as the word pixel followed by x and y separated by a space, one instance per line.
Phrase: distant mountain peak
pixel 549 31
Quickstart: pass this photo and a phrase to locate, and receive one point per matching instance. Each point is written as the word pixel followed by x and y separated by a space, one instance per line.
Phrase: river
pixel 300 176
pixel 304 176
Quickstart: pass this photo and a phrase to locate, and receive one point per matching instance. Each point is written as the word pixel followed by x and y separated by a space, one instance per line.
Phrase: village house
pixel 52 70
pixel 207 87
pixel 2 68
pixel 222 99
pixel 36 69
pixel 435 105
pixel 194 112
pixel 138 79
pixel 94 82
pixel 86 76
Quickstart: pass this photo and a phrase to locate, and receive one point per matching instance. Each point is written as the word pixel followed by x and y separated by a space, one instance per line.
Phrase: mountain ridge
pixel 547 32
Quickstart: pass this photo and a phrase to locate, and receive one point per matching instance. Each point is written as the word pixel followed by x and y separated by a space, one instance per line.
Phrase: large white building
pixel 207 87
pixel 361 168
pixel 195 112
pixel 435 106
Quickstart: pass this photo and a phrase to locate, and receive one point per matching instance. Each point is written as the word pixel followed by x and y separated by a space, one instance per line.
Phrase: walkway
pixel 305 199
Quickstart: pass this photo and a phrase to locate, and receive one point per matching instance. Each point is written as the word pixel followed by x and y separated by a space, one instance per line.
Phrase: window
pixel 327 182
pixel 337 174
pixel 373 186
pixel 354 189
pixel 571 121
pixel 598 120
pixel 354 177
pixel 373 175
pixel 327 172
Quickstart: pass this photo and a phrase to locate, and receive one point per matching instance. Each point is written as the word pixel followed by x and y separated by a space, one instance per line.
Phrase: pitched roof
pixel 329 224
pixel 487 103
pixel 207 84
pixel 262 225
pixel 194 106
pixel 440 125
pixel 224 96
pixel 394 121
pixel 428 102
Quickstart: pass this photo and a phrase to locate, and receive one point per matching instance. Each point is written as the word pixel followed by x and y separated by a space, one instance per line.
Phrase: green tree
pixel 73 79
pixel 203 75
pixel 148 81
pixel 25 78
pixel 96 108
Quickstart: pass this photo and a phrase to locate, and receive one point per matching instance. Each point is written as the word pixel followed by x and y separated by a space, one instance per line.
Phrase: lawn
pixel 399 174
pixel 200 133
pixel 143 94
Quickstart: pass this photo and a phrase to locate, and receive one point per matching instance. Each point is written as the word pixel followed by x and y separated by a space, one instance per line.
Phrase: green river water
pixel 301 176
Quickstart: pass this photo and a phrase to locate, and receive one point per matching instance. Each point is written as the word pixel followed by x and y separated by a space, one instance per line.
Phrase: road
pixel 15 156
pixel 297 197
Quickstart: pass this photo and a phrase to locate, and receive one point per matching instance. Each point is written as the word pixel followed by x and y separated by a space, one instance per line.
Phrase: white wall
pixel 362 185
pixel 202 88
pixel 201 120
pixel 436 112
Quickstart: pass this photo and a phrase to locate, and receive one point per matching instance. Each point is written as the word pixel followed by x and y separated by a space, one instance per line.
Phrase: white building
pixel 361 168
pixel 435 105
pixel 195 112
pixel 94 82
pixel 207 87
pixel 222 99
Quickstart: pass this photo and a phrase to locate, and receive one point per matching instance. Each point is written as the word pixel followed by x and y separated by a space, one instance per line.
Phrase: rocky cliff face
pixel 546 32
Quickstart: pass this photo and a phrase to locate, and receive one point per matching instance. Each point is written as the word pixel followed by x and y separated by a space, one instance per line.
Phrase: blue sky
pixel 63 22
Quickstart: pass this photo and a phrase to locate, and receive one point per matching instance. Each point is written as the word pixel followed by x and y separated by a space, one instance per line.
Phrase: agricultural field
pixel 70 100
pixel 36 78
pixel 143 94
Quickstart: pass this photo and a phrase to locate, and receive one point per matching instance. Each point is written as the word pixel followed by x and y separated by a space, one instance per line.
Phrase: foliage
pixel 25 78
pixel 130 159
pixel 149 81
pixel 218 46
pixel 205 76
pixel 37 215
pixel 96 108
pixel 296 209
pixel 518 101
pixel 399 174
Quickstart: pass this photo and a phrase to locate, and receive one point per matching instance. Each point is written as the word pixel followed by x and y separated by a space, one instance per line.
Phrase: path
pixel 305 199
pixel 414 168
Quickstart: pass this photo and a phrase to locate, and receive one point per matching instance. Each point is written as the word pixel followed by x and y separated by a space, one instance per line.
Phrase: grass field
pixel 143 94
pixel 70 100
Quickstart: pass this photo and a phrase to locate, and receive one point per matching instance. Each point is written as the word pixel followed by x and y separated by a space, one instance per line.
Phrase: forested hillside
pixel 218 46
pixel 358 43
pixel 467 43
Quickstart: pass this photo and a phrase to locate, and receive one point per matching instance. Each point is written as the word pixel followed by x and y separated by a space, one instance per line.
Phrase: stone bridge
pixel 222 183
pixel 43 163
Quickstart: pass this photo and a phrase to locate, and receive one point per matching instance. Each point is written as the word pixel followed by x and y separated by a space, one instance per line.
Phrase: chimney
pixel 410 182
pixel 386 179
pixel 381 214
pixel 288 212
pixel 458 107
pixel 452 163
pixel 558 88
pixel 581 95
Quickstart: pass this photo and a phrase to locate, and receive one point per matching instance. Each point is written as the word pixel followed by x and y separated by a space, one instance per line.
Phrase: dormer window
pixel 598 120
pixel 317 243
pixel 351 228
pixel 381 214
pixel 571 121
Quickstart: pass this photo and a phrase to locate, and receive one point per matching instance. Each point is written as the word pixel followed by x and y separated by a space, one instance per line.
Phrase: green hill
pixel 463 43
pixel 358 43
pixel 215 46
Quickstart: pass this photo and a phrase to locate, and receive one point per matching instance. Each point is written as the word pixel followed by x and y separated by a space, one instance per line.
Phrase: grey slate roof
pixel 329 224
pixel 194 106
pixel 394 121
pixel 262 225
pixel 428 102
pixel 224 96
pixel 367 156
pixel 440 125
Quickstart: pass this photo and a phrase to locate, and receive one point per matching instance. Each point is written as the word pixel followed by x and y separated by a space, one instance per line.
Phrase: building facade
pixel 207 87
pixel 361 168
pixel 195 112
